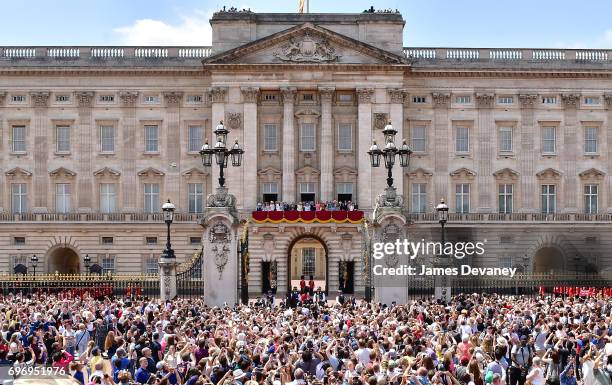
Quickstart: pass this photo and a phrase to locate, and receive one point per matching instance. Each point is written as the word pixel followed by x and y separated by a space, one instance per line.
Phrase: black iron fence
pixel 566 285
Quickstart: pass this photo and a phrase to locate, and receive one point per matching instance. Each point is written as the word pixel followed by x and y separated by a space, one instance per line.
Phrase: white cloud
pixel 193 30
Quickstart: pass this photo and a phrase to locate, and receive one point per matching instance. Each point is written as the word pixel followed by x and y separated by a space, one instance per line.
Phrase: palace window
pixel 462 139
pixel 591 101
pixel 418 138
pixel 62 138
pixel 307 192
pixel 194 98
pixel 19 98
pixel 107 197
pixel 269 191
pixel 62 98
pixel 307 137
pixel 107 240
pixel 463 99
pixel 19 241
pixel 549 100
pixel 308 261
pixel 419 99
pixel 270 137
pixel 151 99
pixel 505 100
pixel 549 140
pixel 18 260
pixel 106 98
pixel 590 199
pixel 151 240
pixel 195 240
pixel 108 264
pixel 63 195
pixel 270 97
pixel 151 197
pixel 590 140
pixel 151 266
pixel 462 198
pixel 505 198
pixel 107 138
pixel 418 198
pixel 505 139
pixel 345 137
pixel 196 195
pixel 344 191
pixel 18 138
pixel 19 198
pixel 549 198
pixel 344 97
pixel 195 138
pixel 151 138
pixel 307 97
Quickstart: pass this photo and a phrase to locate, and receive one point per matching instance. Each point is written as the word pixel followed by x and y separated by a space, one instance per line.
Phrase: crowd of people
pixel 308 206
pixel 473 340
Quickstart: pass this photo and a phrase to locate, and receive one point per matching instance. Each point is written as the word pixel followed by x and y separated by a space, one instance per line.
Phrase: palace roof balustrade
pixel 310 216
pixel 423 57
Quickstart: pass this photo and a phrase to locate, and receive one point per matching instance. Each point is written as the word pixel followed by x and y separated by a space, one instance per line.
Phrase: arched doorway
pixel 548 260
pixel 64 260
pixel 307 256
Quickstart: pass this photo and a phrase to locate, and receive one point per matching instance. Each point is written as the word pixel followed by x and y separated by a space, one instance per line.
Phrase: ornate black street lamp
pixel 87 262
pixel 389 152
pixel 221 152
pixel 168 209
pixel 34 262
pixel 442 209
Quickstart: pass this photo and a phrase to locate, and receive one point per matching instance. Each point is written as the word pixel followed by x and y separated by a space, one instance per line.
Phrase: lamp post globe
pixel 389 133
pixel 34 262
pixel 87 262
pixel 206 153
pixel 442 209
pixel 221 133
pixel 375 154
pixel 168 210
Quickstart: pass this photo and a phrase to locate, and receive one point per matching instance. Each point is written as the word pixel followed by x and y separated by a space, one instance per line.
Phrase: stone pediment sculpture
pixel 307 49
pixel 306 43
pixel 219 238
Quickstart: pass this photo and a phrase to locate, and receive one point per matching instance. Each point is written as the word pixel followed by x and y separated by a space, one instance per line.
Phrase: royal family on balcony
pixel 308 206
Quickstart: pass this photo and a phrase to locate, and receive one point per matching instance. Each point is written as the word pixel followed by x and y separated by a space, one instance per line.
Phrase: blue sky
pixel 435 23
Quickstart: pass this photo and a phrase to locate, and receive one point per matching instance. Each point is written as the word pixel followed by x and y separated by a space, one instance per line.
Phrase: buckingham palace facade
pixel 94 139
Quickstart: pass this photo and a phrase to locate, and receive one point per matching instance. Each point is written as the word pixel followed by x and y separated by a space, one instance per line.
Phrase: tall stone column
pixel 364 141
pixel 608 104
pixel 128 150
pixel 570 149
pixel 526 156
pixel 484 148
pixel 442 152
pixel 289 154
pixel 3 151
pixel 218 95
pixel 40 102
pixel 172 181
pixel 327 144
pixel 85 137
pixel 249 164
pixel 396 116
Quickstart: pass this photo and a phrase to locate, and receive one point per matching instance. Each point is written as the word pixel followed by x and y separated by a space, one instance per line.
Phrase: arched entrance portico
pixel 548 259
pixel 63 260
pixel 307 256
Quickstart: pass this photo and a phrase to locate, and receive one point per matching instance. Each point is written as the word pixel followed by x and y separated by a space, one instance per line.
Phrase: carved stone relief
pixel 307 49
